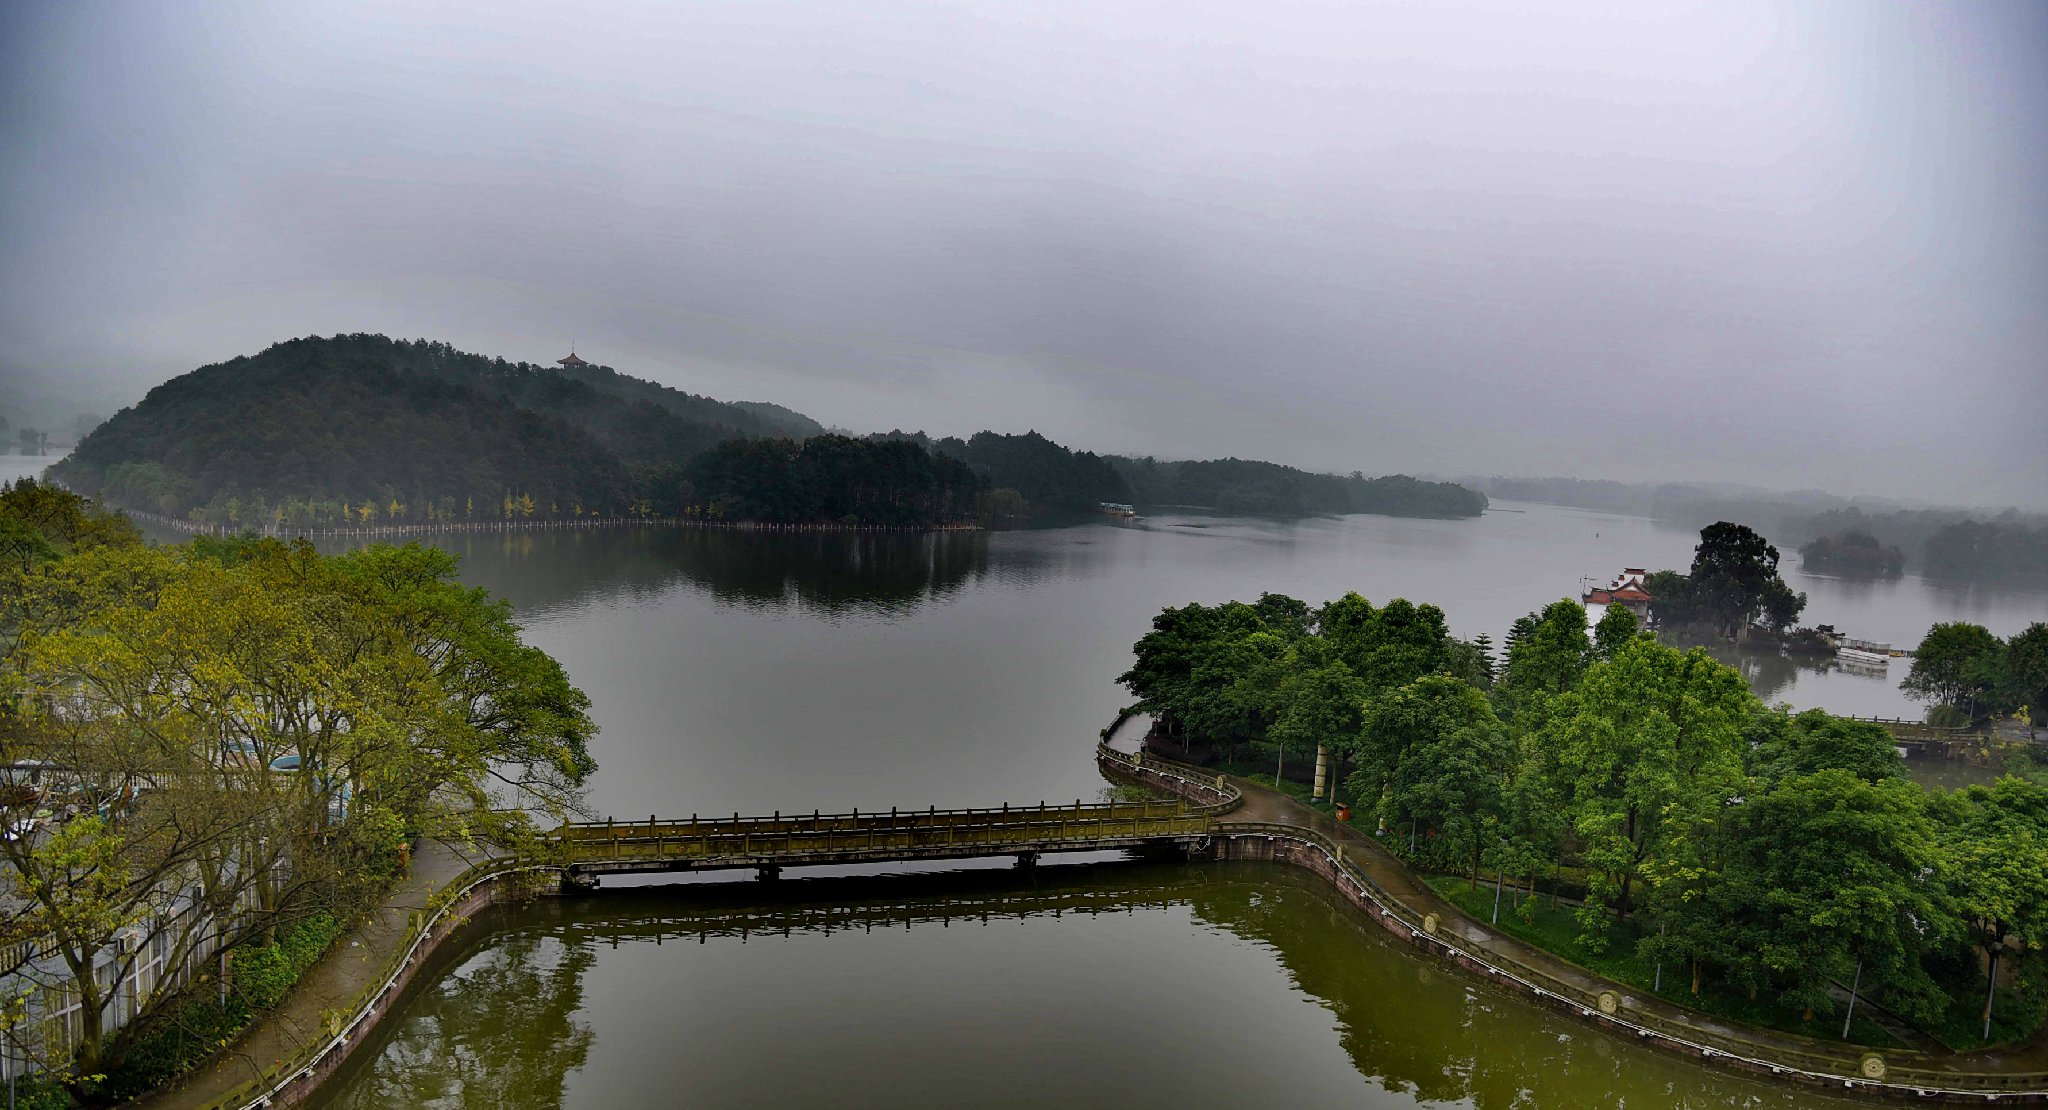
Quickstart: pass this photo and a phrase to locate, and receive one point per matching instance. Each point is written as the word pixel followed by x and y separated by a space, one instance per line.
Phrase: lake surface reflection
pixel 736 671
pixel 756 672
pixel 1113 985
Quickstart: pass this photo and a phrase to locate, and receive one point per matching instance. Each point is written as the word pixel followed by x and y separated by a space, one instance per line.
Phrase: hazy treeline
pixel 1851 552
pixel 1050 476
pixel 1761 857
pixel 1954 542
pixel 1241 486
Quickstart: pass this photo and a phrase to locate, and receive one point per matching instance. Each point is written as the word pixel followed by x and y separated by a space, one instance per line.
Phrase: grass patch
pixel 1555 929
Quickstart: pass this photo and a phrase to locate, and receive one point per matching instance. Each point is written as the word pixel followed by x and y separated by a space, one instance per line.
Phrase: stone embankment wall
pixel 1274 842
pixel 471 895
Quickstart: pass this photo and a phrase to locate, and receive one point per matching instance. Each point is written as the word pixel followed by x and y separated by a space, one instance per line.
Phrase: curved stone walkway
pixel 1265 805
pixel 356 960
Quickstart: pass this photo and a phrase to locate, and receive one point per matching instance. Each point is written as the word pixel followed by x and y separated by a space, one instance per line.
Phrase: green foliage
pixel 831 478
pixel 200 1022
pixel 360 429
pixel 1957 663
pixel 1547 652
pixel 1784 745
pixel 408 699
pixel 1617 627
pixel 40 1092
pixel 1630 958
pixel 1767 860
pixel 1673 604
pixel 1044 473
pixel 2023 681
pixel 40 522
pixel 1735 581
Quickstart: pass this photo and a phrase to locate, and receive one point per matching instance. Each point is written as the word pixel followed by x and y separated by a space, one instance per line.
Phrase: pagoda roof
pixel 572 360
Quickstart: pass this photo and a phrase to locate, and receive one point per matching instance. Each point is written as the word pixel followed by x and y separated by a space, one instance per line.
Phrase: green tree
pixel 1549 654
pixel 1842 865
pixel 1441 759
pixel 1735 581
pixel 1649 741
pixel 1815 741
pixel 1996 844
pixel 2024 678
pixel 1673 603
pixel 1617 627
pixel 1955 664
pixel 1320 707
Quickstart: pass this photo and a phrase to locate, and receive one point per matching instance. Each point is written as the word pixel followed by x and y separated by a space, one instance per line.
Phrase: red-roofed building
pixel 572 360
pixel 1626 590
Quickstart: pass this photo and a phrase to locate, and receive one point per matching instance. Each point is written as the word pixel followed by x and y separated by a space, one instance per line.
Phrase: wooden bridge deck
pixel 768 843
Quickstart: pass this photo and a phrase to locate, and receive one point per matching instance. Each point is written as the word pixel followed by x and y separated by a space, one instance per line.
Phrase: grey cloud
pixel 1753 241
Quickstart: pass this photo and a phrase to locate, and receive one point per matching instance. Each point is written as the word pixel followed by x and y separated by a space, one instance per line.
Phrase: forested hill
pixel 368 429
pixel 333 436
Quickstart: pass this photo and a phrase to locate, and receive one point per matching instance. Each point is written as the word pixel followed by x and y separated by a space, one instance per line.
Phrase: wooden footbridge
pixel 587 850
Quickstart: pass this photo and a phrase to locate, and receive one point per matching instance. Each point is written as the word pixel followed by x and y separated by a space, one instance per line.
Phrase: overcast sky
pixel 1787 244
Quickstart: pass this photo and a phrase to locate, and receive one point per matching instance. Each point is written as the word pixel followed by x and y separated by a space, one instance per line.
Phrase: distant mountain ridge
pixel 364 429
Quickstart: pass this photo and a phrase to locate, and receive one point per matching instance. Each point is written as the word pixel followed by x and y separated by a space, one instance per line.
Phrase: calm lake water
pixel 754 673
pixel 735 671
pixel 1133 985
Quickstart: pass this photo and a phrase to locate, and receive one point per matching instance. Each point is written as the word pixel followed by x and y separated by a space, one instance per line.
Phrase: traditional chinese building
pixel 572 360
pixel 1626 591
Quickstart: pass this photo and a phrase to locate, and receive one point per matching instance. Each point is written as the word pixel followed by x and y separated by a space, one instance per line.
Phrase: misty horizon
pixel 1762 244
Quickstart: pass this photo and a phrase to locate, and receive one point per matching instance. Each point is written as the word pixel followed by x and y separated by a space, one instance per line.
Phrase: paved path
pixel 337 980
pixel 1262 804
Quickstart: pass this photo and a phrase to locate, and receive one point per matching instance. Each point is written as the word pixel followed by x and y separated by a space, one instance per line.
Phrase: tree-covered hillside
pixel 314 431
pixel 1269 489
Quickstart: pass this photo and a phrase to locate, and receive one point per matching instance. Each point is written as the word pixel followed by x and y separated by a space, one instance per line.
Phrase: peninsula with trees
pixel 1634 808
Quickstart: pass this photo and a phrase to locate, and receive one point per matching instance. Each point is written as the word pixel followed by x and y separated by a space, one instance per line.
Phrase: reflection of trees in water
pixel 1414 1026
pixel 502 1030
pixel 831 571
pixel 498 1031
pixel 1770 672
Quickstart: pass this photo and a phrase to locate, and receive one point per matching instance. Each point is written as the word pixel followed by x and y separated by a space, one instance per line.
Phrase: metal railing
pixel 1910 1077
pixel 261 1091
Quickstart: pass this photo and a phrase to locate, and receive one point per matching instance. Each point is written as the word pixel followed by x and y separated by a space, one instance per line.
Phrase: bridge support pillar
pixel 576 882
pixel 1027 859
pixel 769 871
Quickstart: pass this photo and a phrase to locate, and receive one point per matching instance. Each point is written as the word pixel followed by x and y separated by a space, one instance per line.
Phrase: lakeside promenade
pixel 335 997
pixel 278 1040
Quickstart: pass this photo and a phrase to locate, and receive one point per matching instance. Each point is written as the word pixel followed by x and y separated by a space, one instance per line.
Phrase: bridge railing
pixel 856 832
pixel 1219 795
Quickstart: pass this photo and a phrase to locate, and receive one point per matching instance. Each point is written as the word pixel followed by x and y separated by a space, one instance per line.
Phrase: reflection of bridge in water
pixel 588 850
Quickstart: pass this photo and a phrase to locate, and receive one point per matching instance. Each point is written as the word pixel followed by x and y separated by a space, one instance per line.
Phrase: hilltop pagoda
pixel 572 360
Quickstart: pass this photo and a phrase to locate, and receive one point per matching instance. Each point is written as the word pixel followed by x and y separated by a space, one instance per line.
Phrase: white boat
pixel 1863 657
